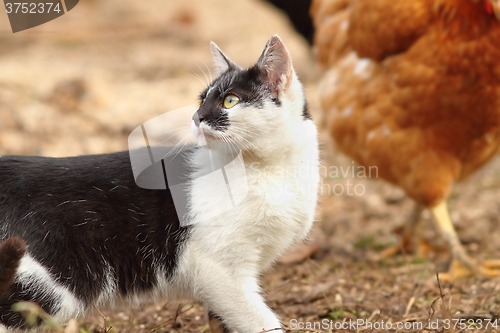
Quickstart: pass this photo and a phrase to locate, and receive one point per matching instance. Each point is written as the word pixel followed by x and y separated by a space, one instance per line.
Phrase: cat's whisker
pixel 198 78
pixel 180 145
pixel 248 133
pixel 240 127
pixel 234 148
pixel 227 140
pixel 206 77
pixel 237 133
pixel 173 134
pixel 209 72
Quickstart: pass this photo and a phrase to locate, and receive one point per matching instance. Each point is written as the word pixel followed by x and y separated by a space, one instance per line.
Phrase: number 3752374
pixel 32 8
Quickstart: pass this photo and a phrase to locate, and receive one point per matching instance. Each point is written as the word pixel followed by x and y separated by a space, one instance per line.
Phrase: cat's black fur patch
pixel 16 294
pixel 248 84
pixel 305 111
pixel 276 101
pixel 78 213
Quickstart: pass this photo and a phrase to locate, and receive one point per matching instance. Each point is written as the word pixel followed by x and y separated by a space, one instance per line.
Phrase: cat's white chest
pixel 258 211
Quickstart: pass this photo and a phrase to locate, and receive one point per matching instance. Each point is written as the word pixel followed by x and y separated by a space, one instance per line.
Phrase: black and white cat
pixel 77 232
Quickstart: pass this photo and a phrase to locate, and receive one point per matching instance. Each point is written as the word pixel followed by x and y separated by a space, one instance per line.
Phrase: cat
pixel 78 232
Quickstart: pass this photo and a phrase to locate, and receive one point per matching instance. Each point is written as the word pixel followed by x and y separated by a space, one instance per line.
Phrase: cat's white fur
pixel 36 277
pixel 226 254
pixel 221 262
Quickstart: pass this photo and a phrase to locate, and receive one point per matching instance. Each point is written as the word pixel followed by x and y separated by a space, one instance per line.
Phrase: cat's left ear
pixel 277 64
pixel 221 62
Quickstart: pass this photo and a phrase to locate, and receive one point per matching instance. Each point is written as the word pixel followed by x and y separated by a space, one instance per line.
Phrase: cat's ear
pixel 276 62
pixel 221 61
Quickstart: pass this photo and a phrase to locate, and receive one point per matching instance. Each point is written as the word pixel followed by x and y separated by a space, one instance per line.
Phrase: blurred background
pixel 81 83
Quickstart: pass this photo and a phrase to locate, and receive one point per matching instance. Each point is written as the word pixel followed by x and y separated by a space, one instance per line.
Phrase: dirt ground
pixel 81 83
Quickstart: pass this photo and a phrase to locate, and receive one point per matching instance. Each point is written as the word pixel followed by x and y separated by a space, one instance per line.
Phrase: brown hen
pixel 413 87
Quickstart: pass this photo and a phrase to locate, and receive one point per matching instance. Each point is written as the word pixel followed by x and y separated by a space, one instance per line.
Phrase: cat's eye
pixel 230 101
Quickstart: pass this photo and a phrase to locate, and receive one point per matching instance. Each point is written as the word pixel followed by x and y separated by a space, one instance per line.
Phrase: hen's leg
pixel 461 264
pixel 410 242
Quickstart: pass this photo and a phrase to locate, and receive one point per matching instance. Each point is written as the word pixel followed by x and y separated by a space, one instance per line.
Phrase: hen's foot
pixel 460 269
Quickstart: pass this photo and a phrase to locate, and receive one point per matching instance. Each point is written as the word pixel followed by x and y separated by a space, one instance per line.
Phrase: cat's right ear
pixel 221 62
pixel 276 62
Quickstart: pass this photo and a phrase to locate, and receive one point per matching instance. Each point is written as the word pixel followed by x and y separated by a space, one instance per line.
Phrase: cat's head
pixel 259 108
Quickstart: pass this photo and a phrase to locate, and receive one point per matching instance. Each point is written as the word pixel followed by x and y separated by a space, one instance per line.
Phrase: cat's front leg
pixel 244 319
pixel 216 324
pixel 237 304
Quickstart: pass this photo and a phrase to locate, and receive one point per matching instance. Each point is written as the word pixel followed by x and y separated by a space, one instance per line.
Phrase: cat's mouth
pixel 204 134
pixel 209 135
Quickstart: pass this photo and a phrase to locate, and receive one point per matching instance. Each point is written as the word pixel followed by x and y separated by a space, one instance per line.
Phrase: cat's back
pixel 17 169
pixel 38 191
pixel 66 186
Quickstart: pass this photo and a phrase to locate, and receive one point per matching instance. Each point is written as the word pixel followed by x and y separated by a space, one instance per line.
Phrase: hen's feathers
pixel 424 105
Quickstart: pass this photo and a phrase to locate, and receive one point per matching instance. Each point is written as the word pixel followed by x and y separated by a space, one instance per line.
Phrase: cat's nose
pixel 197 118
